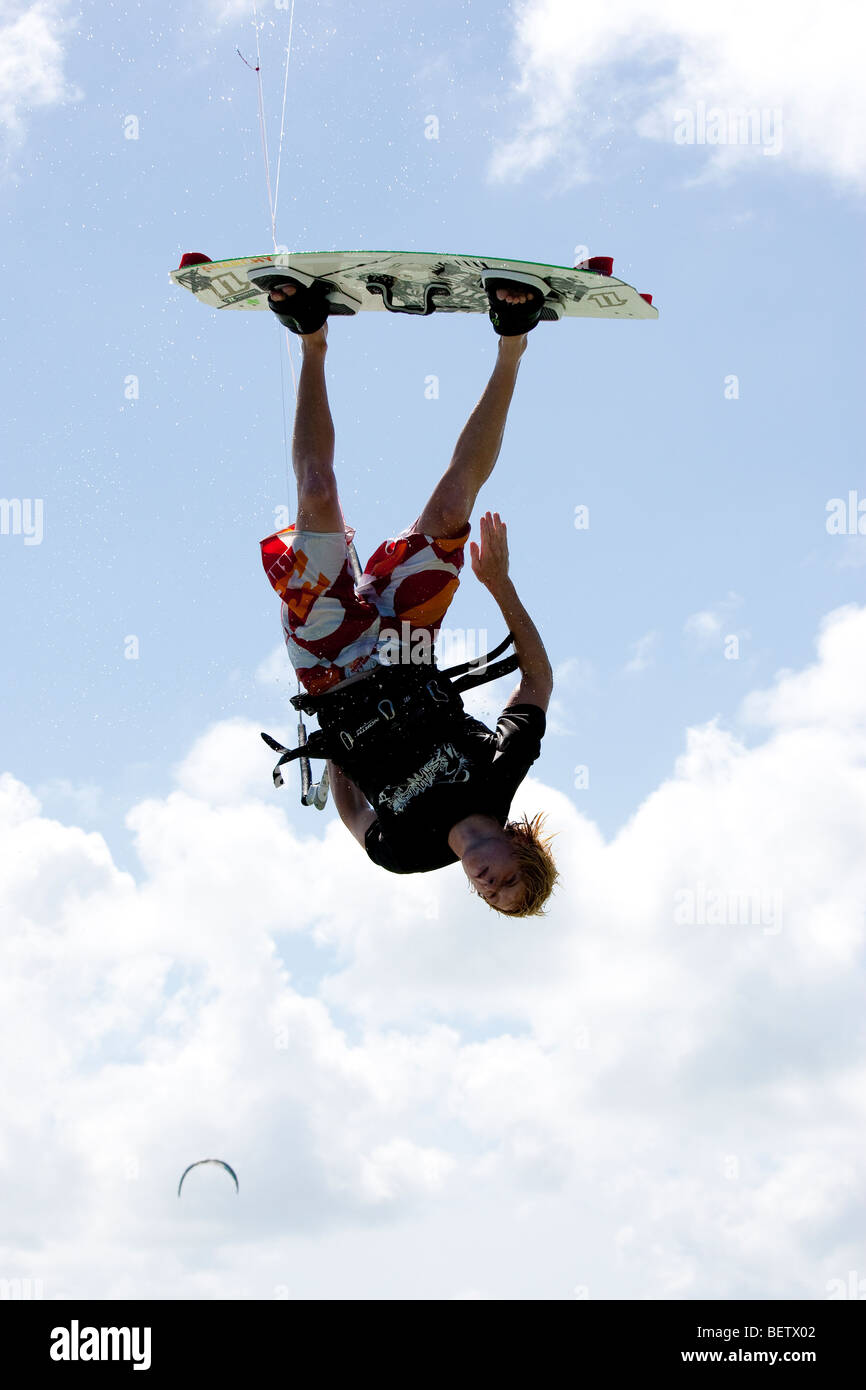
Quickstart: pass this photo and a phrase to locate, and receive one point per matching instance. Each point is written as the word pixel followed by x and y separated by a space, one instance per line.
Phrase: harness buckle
pixel 436 693
pixel 386 713
pixel 346 739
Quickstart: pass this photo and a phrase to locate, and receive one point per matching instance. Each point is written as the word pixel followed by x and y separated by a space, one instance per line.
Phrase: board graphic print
pixel 416 283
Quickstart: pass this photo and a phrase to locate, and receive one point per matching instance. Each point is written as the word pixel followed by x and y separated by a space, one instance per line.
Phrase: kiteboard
pixel 415 282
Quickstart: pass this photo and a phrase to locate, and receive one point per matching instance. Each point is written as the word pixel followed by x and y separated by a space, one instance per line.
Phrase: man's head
pixel 512 868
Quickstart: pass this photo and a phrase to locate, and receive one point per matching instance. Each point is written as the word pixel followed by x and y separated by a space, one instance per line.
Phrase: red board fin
pixel 193 258
pixel 603 264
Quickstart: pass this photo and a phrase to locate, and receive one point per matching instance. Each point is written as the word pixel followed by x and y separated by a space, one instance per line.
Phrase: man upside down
pixel 441 790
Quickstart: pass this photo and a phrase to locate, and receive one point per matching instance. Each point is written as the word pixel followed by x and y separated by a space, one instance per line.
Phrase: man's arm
pixel 536 681
pixel 490 564
pixel 353 808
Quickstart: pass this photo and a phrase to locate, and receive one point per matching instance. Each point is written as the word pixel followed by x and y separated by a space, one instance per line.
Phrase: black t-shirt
pixel 473 772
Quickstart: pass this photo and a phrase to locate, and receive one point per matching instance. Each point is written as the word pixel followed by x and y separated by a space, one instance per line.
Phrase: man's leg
pixel 313 436
pixel 448 509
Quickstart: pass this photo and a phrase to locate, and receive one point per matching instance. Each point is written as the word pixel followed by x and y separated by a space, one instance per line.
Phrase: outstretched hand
pixel 490 559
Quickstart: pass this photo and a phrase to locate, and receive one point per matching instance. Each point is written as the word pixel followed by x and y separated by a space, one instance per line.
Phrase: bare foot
pixel 517 296
pixel 285 292
pixel 516 343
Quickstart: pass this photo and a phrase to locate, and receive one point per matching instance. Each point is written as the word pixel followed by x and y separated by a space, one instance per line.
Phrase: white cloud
pixel 230 11
pixel 642 652
pixel 650 1108
pixel 827 695
pixel 226 765
pixel 570 678
pixel 402 1167
pixel 273 670
pixel 84 800
pixel 705 626
pixel 711 626
pixel 850 552
pixel 31 60
pixel 637 66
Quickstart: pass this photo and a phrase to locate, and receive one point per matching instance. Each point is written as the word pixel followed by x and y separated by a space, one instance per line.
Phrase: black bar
pixel 607 1337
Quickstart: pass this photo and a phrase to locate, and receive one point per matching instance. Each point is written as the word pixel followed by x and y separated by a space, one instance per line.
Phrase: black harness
pixel 389 714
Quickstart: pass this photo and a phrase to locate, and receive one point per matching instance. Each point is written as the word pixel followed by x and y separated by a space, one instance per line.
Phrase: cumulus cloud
pixel 678 72
pixel 656 1091
pixel 827 694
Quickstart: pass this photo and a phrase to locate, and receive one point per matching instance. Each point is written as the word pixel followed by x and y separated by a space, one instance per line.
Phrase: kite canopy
pixel 220 1164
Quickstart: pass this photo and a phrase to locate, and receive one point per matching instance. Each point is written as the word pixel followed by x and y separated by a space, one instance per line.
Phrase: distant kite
pixel 218 1162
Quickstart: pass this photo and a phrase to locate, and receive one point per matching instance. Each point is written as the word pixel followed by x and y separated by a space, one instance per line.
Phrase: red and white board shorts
pixel 333 626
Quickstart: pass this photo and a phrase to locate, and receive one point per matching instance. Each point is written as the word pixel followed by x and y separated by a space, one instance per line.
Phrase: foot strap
pixel 511 319
pixel 313 302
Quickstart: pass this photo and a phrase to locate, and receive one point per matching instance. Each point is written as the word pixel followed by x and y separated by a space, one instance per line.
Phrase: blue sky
pixel 707 514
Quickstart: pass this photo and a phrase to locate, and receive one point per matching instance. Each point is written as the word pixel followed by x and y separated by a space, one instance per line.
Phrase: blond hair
pixel 535 865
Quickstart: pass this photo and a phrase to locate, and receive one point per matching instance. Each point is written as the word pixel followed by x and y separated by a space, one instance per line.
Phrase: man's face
pixel 492 869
